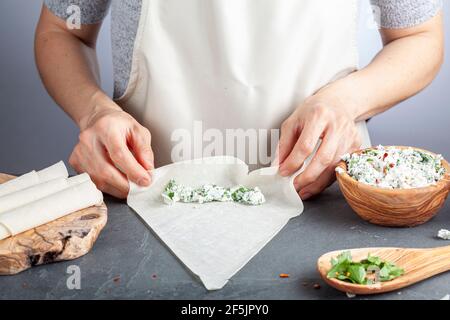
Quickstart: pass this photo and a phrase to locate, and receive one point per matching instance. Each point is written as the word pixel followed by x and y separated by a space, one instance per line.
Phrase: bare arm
pixel 66 59
pixel 109 138
pixel 408 62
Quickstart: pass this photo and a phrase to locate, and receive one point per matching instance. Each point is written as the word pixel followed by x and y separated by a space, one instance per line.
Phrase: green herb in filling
pixel 368 271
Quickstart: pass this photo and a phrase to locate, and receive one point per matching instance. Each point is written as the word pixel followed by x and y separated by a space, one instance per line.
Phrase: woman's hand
pixel 318 118
pixel 112 147
pixel 110 138
pixel 409 61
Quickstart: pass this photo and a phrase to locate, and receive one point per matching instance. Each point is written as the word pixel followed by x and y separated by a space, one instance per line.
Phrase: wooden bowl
pixel 394 207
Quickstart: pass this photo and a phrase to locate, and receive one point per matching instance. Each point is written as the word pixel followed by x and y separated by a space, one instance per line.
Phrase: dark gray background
pixel 34 132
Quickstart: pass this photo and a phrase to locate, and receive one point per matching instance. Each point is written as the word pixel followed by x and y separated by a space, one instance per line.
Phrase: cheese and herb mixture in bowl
pixel 394 168
pixel 394 186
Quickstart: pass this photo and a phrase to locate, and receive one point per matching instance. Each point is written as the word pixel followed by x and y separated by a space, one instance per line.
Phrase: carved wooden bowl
pixel 394 207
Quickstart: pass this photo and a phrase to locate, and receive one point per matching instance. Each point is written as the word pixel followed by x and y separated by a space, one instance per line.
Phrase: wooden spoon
pixel 419 264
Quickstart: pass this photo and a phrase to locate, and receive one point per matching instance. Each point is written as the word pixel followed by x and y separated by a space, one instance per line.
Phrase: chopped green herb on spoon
pixel 366 272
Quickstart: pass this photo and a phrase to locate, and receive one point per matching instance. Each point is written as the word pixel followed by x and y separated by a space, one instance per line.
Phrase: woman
pixel 240 64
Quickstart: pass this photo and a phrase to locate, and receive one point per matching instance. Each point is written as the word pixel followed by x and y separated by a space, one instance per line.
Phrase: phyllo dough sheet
pixel 215 240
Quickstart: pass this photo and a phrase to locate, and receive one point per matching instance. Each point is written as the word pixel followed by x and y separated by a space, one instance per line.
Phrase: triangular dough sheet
pixel 215 240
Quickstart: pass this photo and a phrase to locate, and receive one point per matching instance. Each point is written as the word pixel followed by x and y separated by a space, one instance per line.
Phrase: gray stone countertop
pixel 128 261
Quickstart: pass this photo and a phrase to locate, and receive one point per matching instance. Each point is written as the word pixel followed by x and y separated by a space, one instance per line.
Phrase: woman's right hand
pixel 113 147
pixel 110 138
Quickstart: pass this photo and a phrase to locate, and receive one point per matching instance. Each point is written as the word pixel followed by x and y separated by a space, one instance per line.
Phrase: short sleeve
pixel 92 11
pixel 395 14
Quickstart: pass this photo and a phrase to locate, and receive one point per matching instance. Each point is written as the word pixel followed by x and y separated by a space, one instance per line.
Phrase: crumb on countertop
pixel 444 234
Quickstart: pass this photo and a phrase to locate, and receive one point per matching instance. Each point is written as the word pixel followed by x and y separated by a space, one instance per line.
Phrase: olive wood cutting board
pixel 66 238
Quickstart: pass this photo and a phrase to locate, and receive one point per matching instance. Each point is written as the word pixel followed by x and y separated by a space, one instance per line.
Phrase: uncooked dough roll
pixel 24 181
pixel 78 179
pixel 58 170
pixel 4 233
pixel 38 191
pixel 49 208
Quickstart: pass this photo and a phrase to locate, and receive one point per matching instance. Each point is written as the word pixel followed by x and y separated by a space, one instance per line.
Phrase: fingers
pixel 115 131
pixel 141 147
pixel 110 180
pixel 319 174
pixel 324 181
pixel 115 192
pixel 113 149
pixel 122 157
pixel 324 157
pixel 74 161
pixel 105 176
pixel 315 120
pixel 288 137
pixel 304 146
pixel 115 184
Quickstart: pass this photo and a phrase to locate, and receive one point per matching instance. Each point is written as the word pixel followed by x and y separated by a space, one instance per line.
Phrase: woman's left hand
pixel 317 118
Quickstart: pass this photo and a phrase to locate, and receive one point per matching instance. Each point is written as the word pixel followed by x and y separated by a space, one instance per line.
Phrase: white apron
pixel 233 64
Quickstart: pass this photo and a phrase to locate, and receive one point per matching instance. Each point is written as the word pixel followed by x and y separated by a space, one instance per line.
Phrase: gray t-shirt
pixel 125 20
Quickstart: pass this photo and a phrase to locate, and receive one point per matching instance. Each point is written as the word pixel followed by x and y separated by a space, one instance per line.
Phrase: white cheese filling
pixel 174 192
pixel 394 168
